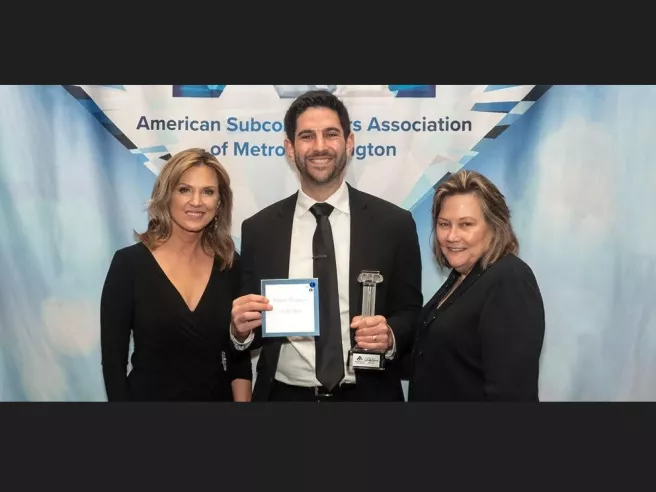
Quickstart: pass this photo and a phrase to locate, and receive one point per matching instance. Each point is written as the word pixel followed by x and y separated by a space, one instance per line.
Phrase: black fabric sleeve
pixel 116 306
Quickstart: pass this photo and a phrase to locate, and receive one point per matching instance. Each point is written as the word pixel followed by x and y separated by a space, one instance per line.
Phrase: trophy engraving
pixel 366 358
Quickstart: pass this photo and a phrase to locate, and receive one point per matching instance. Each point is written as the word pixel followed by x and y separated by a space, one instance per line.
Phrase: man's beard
pixel 339 160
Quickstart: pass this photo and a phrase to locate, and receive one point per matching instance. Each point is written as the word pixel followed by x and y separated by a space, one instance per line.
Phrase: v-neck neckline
pixel 175 289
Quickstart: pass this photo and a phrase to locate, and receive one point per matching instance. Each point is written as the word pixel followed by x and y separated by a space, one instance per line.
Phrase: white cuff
pixel 242 345
pixel 391 352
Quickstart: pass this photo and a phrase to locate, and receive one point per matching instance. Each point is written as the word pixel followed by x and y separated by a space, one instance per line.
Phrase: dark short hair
pixel 494 208
pixel 316 99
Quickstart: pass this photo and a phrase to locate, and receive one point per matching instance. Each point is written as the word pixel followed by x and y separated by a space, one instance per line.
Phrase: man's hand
pixel 372 332
pixel 247 314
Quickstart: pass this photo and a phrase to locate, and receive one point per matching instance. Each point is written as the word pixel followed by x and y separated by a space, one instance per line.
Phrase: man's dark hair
pixel 316 99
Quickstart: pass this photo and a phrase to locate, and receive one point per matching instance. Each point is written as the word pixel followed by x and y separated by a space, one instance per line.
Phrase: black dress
pixel 179 354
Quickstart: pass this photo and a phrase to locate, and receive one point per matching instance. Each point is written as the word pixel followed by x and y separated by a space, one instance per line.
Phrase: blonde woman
pixel 480 337
pixel 173 292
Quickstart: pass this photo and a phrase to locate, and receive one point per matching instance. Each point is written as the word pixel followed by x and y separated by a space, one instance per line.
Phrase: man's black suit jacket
pixel 383 238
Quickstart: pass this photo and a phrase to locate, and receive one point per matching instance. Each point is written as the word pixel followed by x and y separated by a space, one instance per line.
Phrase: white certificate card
pixel 295 304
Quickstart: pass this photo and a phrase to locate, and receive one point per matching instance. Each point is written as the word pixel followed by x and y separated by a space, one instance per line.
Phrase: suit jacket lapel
pixel 469 280
pixel 279 240
pixel 441 292
pixel 431 310
pixel 358 251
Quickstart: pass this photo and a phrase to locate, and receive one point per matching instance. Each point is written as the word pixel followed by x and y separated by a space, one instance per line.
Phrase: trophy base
pixel 372 360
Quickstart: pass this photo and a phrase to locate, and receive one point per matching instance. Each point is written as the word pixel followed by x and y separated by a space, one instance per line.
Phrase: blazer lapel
pixel 441 292
pixel 279 239
pixel 469 280
pixel 358 251
pixel 430 309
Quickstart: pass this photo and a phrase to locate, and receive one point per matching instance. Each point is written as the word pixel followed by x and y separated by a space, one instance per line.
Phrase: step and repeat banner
pixel 77 164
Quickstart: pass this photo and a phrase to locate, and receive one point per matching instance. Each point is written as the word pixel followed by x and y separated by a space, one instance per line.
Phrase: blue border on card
pixel 299 281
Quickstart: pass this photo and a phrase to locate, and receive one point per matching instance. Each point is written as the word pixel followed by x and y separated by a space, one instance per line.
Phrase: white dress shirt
pixel 296 364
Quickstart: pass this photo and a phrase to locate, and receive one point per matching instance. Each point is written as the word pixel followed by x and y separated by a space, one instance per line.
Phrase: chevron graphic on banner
pixel 198 90
pixel 293 91
pixel 428 131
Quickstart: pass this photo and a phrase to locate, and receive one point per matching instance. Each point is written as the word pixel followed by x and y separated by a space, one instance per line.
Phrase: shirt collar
pixel 339 200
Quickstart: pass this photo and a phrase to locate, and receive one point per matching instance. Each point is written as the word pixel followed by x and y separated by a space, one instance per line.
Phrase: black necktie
pixel 329 357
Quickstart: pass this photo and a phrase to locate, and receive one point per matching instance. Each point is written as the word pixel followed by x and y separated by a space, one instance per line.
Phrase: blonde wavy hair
pixel 495 212
pixel 216 237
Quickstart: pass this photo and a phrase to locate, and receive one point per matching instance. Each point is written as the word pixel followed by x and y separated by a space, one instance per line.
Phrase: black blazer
pixel 484 342
pixel 383 238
